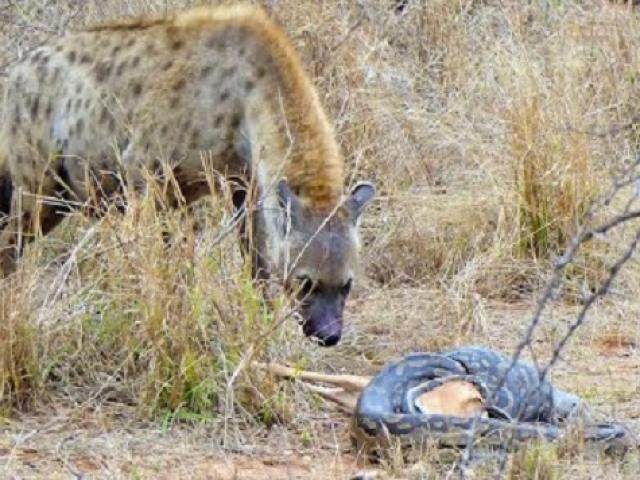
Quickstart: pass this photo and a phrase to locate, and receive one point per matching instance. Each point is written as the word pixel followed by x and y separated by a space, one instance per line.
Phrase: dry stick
pixel 353 383
pixel 345 393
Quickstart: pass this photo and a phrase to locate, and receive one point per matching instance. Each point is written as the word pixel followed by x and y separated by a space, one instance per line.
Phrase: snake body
pixel 519 405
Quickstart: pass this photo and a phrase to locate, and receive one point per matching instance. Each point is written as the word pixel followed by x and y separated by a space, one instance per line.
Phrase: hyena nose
pixel 329 341
pixel 326 336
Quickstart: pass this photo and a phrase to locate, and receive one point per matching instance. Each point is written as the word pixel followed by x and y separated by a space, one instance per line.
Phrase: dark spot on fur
pixel 228 72
pixel 80 126
pixel 35 106
pixel 79 88
pixel 167 65
pixel 249 85
pixel 115 50
pixel 68 106
pixel 150 48
pixel 173 103
pixel 218 121
pixel 41 73
pixel 131 42
pixel 59 48
pixel 121 68
pixel 103 70
pixel 136 89
pixel 49 109
pixel 112 124
pixel 104 114
pixel 224 95
pixel 177 44
pixel 164 130
pixel 135 62
pixel 179 85
pixel 77 105
pixel 195 138
pixel 241 51
pixel 87 102
pixel 41 148
pixel 71 56
pixel 212 41
pixel 56 74
pixel 86 58
pixel 45 60
pixel 206 71
pixel 36 56
pixel 235 121
pixel 261 72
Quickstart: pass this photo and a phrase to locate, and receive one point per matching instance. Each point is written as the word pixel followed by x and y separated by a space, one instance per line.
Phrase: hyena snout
pixel 322 319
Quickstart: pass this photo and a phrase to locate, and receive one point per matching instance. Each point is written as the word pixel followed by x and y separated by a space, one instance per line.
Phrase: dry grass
pixel 479 121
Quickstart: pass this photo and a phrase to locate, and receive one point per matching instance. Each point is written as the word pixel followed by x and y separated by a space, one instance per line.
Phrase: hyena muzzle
pixel 169 100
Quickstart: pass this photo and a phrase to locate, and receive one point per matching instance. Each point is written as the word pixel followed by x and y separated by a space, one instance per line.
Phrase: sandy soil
pixel 102 440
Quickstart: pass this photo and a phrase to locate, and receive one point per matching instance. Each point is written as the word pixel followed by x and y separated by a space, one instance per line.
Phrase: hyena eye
pixel 346 288
pixel 306 285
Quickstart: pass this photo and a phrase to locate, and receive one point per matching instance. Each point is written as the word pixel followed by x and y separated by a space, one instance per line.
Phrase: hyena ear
pixel 289 203
pixel 361 195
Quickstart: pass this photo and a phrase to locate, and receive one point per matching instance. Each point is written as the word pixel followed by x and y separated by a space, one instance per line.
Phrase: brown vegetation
pixel 489 128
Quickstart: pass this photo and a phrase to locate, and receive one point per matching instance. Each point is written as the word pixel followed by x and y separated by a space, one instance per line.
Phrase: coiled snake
pixel 522 408
pixel 516 405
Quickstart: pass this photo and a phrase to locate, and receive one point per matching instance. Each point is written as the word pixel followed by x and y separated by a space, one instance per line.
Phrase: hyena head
pixel 319 257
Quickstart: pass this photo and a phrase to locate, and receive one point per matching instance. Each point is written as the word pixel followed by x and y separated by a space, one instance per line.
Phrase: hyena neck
pixel 290 138
pixel 283 132
pixel 289 134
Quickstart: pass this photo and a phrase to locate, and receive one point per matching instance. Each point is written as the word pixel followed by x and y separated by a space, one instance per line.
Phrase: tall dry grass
pixel 489 127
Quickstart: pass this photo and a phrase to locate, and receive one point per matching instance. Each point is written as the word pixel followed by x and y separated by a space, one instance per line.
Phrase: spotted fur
pixel 210 89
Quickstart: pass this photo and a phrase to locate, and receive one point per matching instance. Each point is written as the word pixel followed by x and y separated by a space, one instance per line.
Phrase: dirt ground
pixel 100 440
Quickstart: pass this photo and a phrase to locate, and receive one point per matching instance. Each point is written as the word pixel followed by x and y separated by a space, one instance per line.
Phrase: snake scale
pixel 522 408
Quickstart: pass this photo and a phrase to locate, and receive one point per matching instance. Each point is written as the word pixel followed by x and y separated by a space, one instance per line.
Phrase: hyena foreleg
pixel 28 217
pixel 251 227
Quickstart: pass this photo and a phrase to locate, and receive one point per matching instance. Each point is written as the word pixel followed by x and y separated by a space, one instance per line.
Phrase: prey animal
pixel 122 106
pixel 468 394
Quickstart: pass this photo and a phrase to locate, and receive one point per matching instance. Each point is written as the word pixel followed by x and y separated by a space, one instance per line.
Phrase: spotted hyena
pixel 167 100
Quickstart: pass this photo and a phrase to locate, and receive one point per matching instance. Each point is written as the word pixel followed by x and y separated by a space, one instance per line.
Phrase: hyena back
pixel 211 89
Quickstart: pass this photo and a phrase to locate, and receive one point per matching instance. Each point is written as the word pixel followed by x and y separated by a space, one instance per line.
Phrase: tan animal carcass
pixel 169 99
